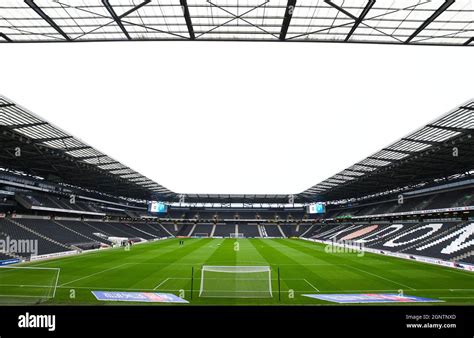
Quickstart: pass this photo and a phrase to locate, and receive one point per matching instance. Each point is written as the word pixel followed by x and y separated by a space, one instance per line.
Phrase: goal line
pixel 28 282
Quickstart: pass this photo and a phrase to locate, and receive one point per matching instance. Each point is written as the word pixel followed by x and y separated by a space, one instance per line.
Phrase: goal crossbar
pixel 236 281
pixel 236 269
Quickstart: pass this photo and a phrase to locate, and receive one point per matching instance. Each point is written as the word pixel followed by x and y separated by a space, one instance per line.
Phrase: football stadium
pixel 322 183
pixel 78 227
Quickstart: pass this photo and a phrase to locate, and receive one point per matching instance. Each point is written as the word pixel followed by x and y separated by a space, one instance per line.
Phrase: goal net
pixel 27 284
pixel 236 235
pixel 236 282
pixel 201 234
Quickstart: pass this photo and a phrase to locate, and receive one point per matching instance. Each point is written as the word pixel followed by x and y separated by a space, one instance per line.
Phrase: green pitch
pixel 166 266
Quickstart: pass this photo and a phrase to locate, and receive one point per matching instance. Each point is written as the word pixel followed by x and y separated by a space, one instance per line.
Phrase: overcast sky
pixel 233 117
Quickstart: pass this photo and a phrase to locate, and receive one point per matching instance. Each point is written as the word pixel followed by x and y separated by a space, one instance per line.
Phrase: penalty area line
pixel 384 278
pixel 163 282
pixel 93 274
pixel 311 285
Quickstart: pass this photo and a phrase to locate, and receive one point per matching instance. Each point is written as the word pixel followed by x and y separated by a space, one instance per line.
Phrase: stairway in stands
pixel 74 231
pixel 45 238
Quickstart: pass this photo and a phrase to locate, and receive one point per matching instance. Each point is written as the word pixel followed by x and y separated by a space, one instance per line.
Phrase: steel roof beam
pixel 26 125
pixel 368 166
pixel 400 151
pixel 290 7
pixel 108 163
pixel 459 130
pixel 433 17
pixel 357 171
pixel 340 9
pixel 386 159
pixel 89 157
pixel 134 9
pixel 357 20
pixel 46 18
pixel 6 38
pixel 117 20
pixel 362 16
pixel 51 138
pixel 431 143
pixel 187 18
pixel 76 148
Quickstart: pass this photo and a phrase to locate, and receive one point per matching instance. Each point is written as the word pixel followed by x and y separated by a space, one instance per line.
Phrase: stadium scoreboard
pixel 157 207
pixel 316 208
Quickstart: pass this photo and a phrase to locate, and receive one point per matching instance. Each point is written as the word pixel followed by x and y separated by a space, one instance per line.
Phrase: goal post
pixel 236 282
pixel 27 283
pixel 236 235
pixel 201 235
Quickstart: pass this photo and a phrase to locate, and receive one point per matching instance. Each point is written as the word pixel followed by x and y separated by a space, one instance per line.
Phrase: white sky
pixel 237 117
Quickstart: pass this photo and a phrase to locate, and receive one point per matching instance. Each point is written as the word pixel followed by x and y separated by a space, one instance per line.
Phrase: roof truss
pixel 425 154
pixel 436 22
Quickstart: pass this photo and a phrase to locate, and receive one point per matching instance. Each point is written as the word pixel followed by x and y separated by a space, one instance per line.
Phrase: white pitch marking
pixel 93 274
pixel 311 285
pixel 387 279
pixel 163 282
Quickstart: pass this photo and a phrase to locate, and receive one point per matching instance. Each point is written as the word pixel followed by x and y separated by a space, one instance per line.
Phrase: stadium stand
pixel 85 230
pixel 249 230
pixel 224 229
pixel 410 210
pixel 289 230
pixel 155 230
pixel 54 230
pixel 273 230
pixel 203 230
pixel 446 240
pixel 170 227
pixel 45 245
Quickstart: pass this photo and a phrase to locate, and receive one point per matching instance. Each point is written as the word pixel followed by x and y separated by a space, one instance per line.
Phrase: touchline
pixel 37 321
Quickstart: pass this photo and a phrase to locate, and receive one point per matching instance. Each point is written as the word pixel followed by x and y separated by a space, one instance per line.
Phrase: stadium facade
pixel 413 198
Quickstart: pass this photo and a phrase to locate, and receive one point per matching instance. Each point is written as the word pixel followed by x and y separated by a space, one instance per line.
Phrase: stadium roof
pixel 424 155
pixel 436 22
pixel 49 152
pixel 239 198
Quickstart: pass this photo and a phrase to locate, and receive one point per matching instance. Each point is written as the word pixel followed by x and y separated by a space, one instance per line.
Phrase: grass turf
pixel 165 266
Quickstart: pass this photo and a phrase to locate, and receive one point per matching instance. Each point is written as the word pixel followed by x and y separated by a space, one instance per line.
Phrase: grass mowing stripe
pixel 163 282
pixel 117 256
pixel 305 266
pixel 192 251
pixel 416 273
pixel 387 279
pixel 328 277
pixel 273 251
pixel 403 267
pixel 354 258
pixel 250 251
pixel 93 274
pixel 311 285
pixel 100 253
